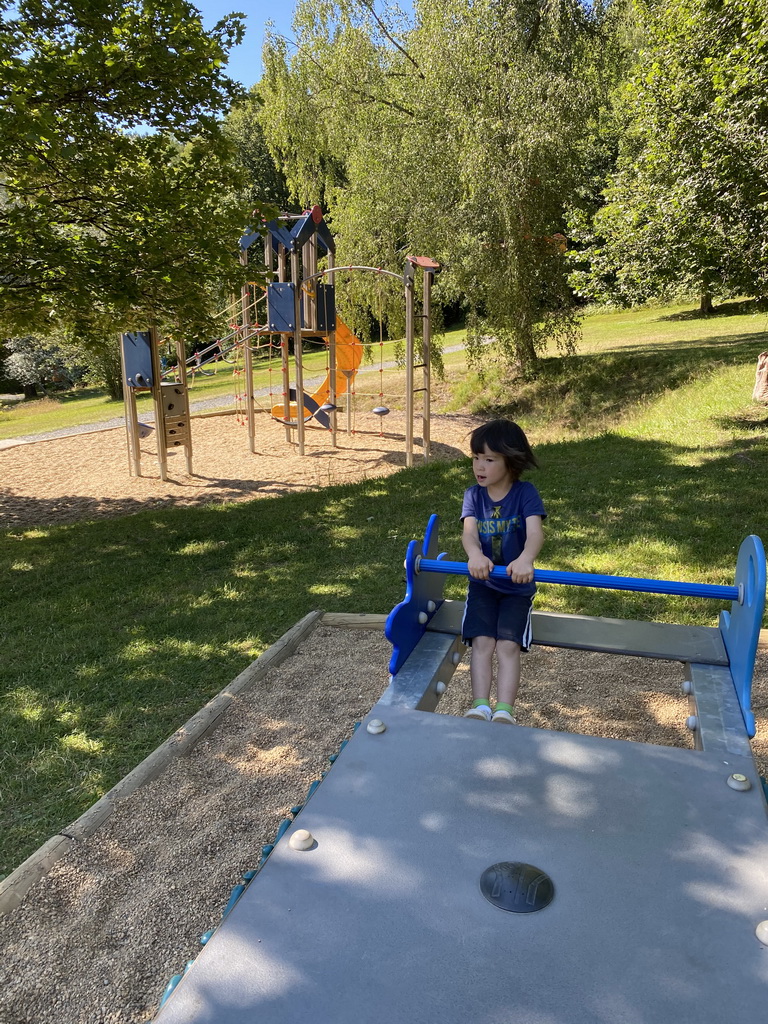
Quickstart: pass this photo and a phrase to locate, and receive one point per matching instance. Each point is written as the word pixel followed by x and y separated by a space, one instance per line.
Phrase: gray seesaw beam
pixel 719 724
pixel 659 868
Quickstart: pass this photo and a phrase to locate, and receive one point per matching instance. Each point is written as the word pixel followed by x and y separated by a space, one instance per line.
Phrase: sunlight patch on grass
pixel 70 719
pixel 642 550
pixel 333 589
pixel 55 760
pixel 173 649
pixel 226 592
pixel 33 534
pixel 22 566
pixel 693 415
pixel 91 671
pixel 80 743
pixel 344 532
pixel 138 651
pixel 244 572
pixel 201 547
pixel 26 703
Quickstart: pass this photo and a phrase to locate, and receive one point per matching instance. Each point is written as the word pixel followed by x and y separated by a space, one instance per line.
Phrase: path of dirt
pixel 96 940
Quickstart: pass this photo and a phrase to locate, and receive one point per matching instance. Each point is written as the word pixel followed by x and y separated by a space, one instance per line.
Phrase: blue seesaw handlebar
pixel 586 579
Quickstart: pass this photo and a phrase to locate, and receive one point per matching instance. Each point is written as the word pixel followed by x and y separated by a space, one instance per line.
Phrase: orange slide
pixel 349 355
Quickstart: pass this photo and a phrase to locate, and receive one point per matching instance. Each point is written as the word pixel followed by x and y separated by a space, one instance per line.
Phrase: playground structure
pixel 447 869
pixel 301 303
pixel 297 304
pixel 142 371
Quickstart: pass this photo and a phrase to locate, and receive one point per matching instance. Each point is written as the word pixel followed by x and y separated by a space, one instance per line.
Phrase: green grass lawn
pixel 114 632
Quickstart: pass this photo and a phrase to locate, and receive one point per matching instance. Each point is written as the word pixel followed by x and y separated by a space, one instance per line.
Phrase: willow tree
pixel 455 134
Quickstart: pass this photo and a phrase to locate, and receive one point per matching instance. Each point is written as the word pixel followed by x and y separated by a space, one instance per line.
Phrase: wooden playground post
pixel 282 273
pixel 181 363
pixel 332 395
pixel 309 268
pixel 408 278
pixel 245 315
pixel 157 400
pixel 426 344
pixel 298 349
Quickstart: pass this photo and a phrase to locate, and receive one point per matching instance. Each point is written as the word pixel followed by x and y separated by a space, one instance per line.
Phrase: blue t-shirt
pixel 501 526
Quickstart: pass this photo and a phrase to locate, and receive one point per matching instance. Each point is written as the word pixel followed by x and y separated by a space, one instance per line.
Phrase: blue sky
pixel 245 60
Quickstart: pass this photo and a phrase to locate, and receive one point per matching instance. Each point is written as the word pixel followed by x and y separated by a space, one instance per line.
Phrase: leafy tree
pixel 115 170
pixel 457 136
pixel 96 349
pixel 687 206
pixel 266 184
pixel 34 363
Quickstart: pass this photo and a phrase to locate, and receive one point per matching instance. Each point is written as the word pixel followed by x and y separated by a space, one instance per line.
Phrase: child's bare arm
pixel 479 565
pixel 521 570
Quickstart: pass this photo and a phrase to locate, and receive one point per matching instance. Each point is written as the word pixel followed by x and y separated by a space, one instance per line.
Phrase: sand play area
pixel 97 938
pixel 86 475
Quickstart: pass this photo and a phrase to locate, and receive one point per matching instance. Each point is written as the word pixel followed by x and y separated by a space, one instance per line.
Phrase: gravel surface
pixel 87 476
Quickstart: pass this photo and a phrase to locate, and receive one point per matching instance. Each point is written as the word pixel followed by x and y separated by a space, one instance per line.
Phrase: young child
pixel 502 517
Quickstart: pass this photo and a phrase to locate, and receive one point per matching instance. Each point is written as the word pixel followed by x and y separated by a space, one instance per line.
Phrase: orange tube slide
pixel 349 355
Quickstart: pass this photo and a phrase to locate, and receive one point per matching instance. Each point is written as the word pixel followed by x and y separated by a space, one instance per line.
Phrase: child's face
pixel 490 469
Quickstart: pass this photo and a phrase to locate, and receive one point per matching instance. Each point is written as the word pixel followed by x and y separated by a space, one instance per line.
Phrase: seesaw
pixel 449 870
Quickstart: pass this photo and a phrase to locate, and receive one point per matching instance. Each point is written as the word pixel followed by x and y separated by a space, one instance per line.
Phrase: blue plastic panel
pixel 326 307
pixel 407 622
pixel 741 626
pixel 281 308
pixel 137 356
pixel 280 234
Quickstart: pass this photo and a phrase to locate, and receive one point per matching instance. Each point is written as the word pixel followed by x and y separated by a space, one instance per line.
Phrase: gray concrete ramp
pixel 659 868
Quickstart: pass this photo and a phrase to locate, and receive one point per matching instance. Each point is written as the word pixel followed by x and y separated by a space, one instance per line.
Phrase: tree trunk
pixel 705 302
pixel 30 391
pixel 115 388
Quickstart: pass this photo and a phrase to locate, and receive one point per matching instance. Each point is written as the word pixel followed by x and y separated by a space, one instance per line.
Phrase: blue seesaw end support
pixel 740 627
pixel 407 622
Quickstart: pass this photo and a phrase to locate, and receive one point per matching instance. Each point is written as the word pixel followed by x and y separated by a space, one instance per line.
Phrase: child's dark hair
pixel 509 440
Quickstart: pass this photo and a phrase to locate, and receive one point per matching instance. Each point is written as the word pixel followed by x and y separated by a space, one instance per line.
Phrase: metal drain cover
pixel 517 887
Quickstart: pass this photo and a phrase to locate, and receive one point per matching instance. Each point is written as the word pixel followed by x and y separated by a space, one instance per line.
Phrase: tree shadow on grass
pixel 723 309
pixel 598 387
pixel 24 512
pixel 741 423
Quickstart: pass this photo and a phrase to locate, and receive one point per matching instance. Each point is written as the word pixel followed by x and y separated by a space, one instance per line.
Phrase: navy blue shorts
pixel 493 613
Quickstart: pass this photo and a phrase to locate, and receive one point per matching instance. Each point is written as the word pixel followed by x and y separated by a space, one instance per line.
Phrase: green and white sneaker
pixel 483 712
pixel 504 716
